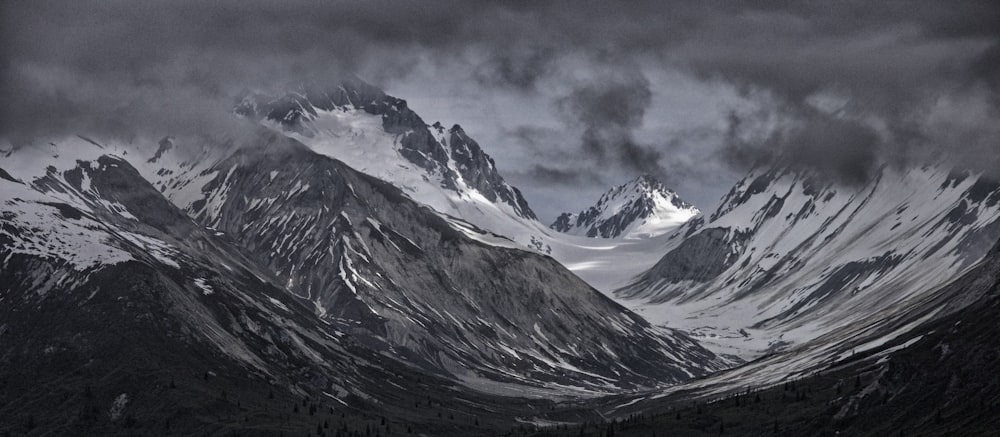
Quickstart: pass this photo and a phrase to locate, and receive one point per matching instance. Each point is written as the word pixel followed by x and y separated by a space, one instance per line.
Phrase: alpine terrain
pixel 377 134
pixel 503 219
pixel 789 256
pixel 337 264
pixel 934 379
pixel 257 260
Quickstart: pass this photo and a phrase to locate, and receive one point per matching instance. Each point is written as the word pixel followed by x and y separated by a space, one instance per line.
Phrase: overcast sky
pixel 569 97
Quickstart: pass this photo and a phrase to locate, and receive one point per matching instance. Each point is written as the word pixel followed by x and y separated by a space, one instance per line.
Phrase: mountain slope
pixel 788 257
pixel 122 315
pixel 364 253
pixel 442 168
pixel 641 208
pixel 397 276
pixel 132 316
pixel 936 378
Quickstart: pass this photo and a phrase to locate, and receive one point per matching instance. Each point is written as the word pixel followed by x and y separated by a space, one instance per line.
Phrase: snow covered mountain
pixel 269 261
pixel 379 135
pixel 442 168
pixel 362 252
pixel 939 355
pixel 363 257
pixel 120 298
pixel 788 257
pixel 118 312
pixel 641 208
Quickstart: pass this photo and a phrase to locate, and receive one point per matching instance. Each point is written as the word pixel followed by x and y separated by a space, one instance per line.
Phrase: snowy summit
pixel 641 208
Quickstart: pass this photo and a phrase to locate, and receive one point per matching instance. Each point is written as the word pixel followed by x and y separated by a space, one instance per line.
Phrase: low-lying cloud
pixel 846 87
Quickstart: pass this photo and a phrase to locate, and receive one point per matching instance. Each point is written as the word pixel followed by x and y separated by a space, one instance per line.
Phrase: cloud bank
pixel 840 88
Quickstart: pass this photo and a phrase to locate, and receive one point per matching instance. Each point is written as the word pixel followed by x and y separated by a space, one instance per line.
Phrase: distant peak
pixel 640 208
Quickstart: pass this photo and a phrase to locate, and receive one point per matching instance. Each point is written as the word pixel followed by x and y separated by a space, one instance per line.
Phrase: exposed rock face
pixel 478 171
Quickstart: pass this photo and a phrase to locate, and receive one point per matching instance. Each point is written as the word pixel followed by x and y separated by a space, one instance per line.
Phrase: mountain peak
pixel 649 185
pixel 356 121
pixel 641 208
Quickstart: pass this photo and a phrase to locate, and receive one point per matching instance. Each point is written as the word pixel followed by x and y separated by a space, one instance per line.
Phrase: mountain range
pixel 787 257
pixel 339 266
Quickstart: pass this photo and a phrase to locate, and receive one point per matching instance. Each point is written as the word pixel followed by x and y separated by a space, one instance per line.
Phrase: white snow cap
pixel 641 208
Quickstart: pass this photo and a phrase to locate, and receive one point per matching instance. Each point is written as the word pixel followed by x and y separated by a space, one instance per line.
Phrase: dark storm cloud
pixel 519 69
pixel 123 67
pixel 529 137
pixel 886 69
pixel 126 68
pixel 547 164
pixel 844 149
pixel 609 103
pixel 567 177
pixel 606 110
